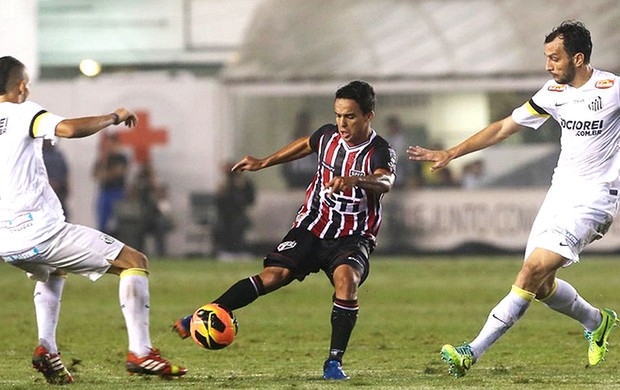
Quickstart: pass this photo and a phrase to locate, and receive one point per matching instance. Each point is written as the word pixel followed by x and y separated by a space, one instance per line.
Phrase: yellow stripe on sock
pixel 528 296
pixel 134 271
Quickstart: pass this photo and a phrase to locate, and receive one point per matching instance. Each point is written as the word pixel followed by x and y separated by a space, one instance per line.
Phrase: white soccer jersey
pixel 590 120
pixel 30 211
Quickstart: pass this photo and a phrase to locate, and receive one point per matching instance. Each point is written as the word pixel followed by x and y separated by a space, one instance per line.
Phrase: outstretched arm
pixel 379 182
pixel 293 151
pixel 85 126
pixel 490 135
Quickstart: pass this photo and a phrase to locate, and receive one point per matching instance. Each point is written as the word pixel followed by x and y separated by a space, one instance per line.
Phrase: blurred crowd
pixel 133 203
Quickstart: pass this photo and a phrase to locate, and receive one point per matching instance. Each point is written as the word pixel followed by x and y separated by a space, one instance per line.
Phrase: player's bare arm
pixel 381 181
pixel 490 135
pixel 85 126
pixel 293 151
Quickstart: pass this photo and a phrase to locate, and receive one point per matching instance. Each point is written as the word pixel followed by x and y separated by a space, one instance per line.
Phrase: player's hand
pixel 248 163
pixel 441 158
pixel 127 117
pixel 339 183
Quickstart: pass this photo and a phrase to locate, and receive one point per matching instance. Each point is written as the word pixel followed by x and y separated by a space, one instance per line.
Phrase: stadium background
pixel 214 80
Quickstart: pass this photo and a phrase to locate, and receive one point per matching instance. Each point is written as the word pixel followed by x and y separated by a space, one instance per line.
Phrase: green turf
pixel 409 309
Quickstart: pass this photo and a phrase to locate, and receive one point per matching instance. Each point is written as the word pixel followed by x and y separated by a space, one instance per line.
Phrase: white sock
pixel 133 292
pixel 566 300
pixel 501 318
pixel 47 310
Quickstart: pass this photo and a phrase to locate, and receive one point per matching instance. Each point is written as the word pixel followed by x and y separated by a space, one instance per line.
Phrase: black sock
pixel 241 293
pixel 343 318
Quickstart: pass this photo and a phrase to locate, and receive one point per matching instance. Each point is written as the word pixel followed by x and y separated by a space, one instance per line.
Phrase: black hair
pixel 361 92
pixel 8 66
pixel 575 36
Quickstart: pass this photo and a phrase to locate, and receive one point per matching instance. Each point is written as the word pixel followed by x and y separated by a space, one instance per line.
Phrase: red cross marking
pixel 143 137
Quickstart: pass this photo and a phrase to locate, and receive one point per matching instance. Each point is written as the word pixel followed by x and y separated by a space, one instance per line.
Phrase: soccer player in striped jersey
pixel 580 204
pixel 336 226
pixel 35 237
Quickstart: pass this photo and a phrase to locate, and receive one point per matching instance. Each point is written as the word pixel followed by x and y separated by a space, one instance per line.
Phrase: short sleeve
pixel 43 123
pixel 530 115
pixel 315 138
pixel 383 158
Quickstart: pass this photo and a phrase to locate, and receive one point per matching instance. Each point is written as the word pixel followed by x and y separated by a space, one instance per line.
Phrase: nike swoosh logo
pixel 502 321
pixel 563 244
pixel 560 104
pixel 600 341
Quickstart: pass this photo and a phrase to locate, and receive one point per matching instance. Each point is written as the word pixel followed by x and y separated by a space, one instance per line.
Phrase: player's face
pixel 559 64
pixel 353 124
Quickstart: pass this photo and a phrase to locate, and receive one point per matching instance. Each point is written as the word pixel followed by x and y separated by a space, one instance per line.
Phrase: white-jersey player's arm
pixel 85 126
pixel 490 135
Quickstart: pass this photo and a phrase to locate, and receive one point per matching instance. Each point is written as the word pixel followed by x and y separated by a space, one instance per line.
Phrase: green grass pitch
pixel 409 307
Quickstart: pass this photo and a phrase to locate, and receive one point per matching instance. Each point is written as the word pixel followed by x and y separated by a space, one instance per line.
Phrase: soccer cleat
pixel 181 327
pixel 332 369
pixel 597 340
pixel 51 367
pixel 459 358
pixel 153 364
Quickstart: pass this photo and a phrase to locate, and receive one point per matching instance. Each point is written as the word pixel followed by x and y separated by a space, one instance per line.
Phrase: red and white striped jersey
pixel 354 211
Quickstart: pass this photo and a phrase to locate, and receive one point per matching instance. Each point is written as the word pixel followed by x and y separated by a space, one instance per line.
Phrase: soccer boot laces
pixel 459 359
pixel 51 367
pixel 597 339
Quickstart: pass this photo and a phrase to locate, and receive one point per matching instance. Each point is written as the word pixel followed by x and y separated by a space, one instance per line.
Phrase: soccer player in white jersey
pixel 580 204
pixel 35 237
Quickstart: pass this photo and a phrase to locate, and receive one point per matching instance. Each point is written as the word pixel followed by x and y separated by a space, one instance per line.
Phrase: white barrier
pixel 432 220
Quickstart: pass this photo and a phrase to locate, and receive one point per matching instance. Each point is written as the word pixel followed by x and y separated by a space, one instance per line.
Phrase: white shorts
pixel 75 249
pixel 569 220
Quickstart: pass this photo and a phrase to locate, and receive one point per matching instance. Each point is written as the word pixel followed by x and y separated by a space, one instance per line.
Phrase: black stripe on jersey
pixel 34 119
pixel 537 108
pixel 339 161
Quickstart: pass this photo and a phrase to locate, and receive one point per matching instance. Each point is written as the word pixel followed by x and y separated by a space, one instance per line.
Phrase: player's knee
pixel 141 260
pixel 131 258
pixel 345 274
pixel 274 278
pixel 346 280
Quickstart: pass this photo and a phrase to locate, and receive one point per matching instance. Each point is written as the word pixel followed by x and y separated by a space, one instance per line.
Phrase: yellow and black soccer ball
pixel 213 326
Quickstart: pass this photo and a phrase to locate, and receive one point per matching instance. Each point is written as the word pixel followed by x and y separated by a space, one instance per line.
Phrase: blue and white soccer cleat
pixel 332 370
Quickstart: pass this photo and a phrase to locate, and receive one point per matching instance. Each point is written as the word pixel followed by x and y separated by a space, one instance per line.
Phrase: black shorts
pixel 304 253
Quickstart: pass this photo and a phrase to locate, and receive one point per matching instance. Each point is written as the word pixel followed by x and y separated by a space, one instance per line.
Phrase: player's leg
pixel 132 268
pixel 597 323
pixel 344 314
pixel 539 267
pixel 242 293
pixel 133 291
pixel 47 297
pixel 347 271
pixel 281 267
pixel 585 225
pixel 46 357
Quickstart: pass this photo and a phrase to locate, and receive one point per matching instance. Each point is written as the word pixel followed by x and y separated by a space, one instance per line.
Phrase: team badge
pixel 107 239
pixel 286 245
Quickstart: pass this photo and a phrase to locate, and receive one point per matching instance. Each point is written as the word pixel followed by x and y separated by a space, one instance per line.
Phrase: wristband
pixel 117 119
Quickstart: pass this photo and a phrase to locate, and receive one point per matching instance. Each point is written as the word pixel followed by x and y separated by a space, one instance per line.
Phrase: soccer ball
pixel 213 326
